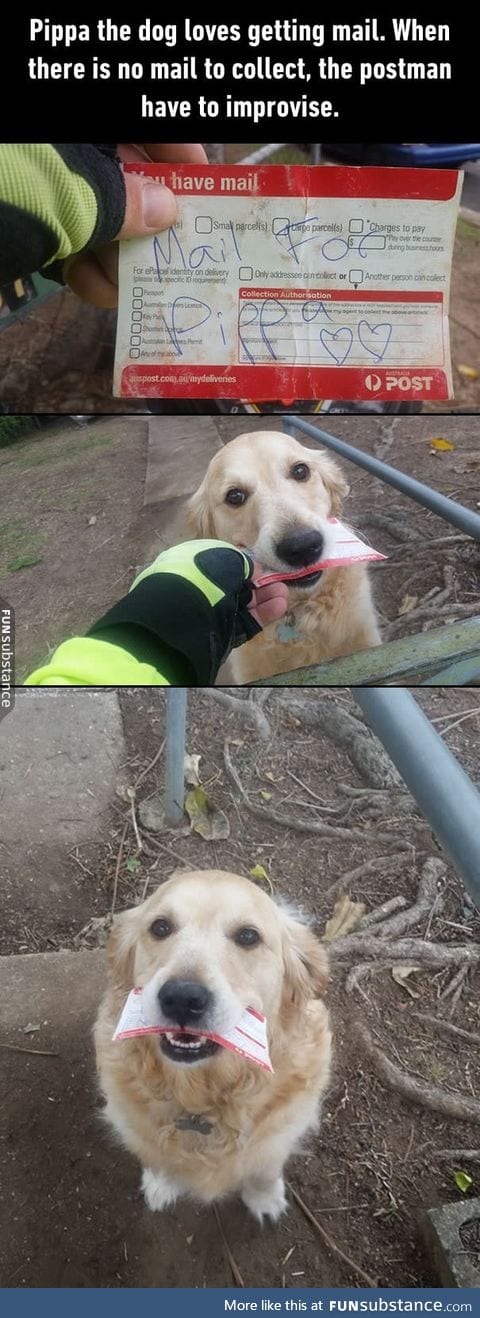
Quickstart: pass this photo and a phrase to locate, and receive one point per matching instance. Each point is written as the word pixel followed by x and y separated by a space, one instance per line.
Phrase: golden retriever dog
pixel 271 495
pixel 204 1121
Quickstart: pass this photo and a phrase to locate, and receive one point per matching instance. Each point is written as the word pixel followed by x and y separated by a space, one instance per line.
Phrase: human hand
pixel 269 603
pixel 149 208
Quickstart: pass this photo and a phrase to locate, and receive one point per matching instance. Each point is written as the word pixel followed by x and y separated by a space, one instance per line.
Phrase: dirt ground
pixel 374 1169
pixel 73 535
pixel 69 499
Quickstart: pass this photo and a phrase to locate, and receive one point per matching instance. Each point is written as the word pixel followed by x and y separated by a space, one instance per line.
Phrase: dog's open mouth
pixel 304 576
pixel 180 1046
pixel 303 579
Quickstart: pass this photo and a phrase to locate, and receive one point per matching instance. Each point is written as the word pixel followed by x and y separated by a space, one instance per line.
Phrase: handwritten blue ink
pixel 167 257
pixel 204 249
pixel 334 337
pixel 377 353
pixel 176 330
pixel 311 309
pixel 333 242
pixel 269 324
pixel 286 232
pixel 363 239
pixel 245 307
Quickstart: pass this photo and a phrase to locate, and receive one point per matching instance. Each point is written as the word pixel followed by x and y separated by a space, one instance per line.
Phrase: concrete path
pixel 60 758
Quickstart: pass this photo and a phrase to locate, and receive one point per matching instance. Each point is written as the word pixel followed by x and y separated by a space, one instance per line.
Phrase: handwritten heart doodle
pixel 339 344
pixel 375 338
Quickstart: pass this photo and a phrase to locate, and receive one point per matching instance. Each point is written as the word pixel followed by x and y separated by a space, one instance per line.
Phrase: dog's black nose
pixel 184 1001
pixel 301 548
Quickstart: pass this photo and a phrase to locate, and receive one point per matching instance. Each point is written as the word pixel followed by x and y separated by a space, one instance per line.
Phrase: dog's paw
pixel 158 1191
pixel 267 1200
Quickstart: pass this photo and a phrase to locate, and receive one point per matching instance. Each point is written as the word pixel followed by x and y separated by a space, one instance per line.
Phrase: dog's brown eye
pixel 246 937
pixel 235 497
pixel 300 471
pixel 161 928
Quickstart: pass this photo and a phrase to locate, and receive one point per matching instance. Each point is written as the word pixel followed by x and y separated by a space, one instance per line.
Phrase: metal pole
pixel 445 794
pixel 452 512
pixel 176 717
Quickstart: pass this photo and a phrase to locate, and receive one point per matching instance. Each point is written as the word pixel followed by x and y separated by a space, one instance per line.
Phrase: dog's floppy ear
pixel 334 482
pixel 199 517
pixel 305 961
pixel 121 951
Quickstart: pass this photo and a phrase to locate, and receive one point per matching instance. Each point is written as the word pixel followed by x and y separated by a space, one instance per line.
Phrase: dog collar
pixel 194 1121
pixel 287 629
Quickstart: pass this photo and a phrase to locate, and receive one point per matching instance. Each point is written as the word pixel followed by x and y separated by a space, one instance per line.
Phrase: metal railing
pixel 443 791
pixel 466 520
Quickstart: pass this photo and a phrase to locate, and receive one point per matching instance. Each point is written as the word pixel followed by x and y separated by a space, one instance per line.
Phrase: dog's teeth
pixel 181 1043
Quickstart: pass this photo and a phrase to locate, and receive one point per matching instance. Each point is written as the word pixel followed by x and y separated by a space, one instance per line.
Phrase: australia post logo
pixel 415 383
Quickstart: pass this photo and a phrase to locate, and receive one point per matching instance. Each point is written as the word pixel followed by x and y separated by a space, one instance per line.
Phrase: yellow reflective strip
pixel 180 562
pixel 34 177
pixel 84 661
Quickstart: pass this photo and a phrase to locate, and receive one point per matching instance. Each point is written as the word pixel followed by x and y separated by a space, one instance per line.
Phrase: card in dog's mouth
pixel 347 549
pixel 248 1037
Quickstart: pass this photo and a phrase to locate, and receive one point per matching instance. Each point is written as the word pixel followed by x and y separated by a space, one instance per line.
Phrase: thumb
pixel 149 207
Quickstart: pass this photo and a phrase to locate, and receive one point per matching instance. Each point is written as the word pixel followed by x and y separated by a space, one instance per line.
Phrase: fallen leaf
pixel 346 916
pixel 400 975
pixel 441 445
pixel 191 765
pixel 463 1181
pixel 258 872
pixel 266 796
pixel 469 372
pixel 31 1029
pixel 204 816
pixel 408 603
pixel 91 521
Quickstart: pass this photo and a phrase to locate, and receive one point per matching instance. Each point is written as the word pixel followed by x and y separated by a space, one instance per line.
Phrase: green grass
pixel 14 428
pixel 467 230
pixel 62 452
pixel 21 546
pixel 29 560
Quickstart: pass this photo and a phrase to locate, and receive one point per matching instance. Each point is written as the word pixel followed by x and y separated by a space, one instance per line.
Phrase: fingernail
pixel 159 206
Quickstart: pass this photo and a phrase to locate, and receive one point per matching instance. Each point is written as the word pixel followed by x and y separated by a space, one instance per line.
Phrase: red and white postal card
pixel 291 281
pixel 347 548
pixel 248 1037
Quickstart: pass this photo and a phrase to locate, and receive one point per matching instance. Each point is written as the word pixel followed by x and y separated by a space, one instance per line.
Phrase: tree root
pixel 432 876
pixel 351 877
pixel 456 1106
pixel 301 825
pixel 414 950
pixel 249 709
pixel 456 1155
pixel 454 612
pixel 446 1027
pixel 350 734
pixel 388 522
pixel 380 912
pixel 331 1244
pixel 363 971
pixel 455 987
